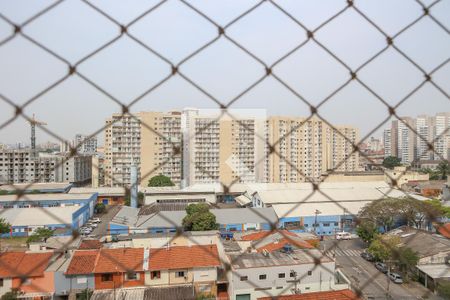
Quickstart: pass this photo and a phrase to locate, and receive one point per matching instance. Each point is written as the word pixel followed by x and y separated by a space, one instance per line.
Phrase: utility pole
pixel 317 212
pixel 388 264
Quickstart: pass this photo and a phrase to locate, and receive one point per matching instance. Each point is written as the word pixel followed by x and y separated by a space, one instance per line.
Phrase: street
pixel 365 277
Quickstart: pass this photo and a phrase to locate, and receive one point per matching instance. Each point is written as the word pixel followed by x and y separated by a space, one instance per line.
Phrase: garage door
pixel 243 297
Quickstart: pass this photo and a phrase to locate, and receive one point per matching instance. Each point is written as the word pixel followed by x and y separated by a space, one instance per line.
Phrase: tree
pixel 435 209
pixel 5 227
pixel 40 234
pixel 140 199
pixel 405 258
pixel 383 247
pixel 160 180
pixel 391 161
pixel 100 208
pixel 199 218
pixel 3 192
pixel 443 289
pixel 443 169
pixel 12 295
pixel 367 231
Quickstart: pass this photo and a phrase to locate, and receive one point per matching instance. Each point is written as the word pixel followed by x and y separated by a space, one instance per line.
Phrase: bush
pixel 40 234
pixel 199 218
pixel 160 180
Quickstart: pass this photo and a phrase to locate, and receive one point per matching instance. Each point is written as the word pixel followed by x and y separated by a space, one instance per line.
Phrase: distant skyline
pixel 126 70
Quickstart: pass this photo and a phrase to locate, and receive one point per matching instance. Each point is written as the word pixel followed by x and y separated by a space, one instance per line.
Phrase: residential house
pixel 26 271
pixel 181 265
pixel 262 274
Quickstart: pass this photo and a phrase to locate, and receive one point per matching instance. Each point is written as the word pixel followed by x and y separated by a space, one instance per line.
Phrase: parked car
pixel 93 225
pixel 85 230
pixel 367 256
pixel 343 235
pixel 96 220
pixel 381 267
pixel 396 277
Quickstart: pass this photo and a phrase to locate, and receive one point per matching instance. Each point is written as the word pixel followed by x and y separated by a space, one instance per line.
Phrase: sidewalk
pixel 421 291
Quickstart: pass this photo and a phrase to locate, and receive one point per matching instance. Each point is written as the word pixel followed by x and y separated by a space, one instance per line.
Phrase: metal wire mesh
pixel 175 69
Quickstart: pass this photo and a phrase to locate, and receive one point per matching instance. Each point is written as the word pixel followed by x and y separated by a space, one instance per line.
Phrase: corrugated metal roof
pixel 102 191
pixel 306 209
pixel 39 216
pixel 42 197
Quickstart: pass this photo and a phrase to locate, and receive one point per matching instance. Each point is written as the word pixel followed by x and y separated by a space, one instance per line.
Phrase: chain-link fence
pixel 171 68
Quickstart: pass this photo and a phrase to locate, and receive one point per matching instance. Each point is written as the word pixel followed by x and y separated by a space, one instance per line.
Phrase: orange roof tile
pixel 181 257
pixel 120 260
pixel 83 262
pixel 90 244
pixel 16 264
pixel 444 230
pixel 329 295
pixel 262 234
pixel 281 243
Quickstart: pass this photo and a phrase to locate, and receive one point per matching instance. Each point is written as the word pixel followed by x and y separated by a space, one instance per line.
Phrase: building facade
pixel 409 138
pixel 208 146
pixel 20 166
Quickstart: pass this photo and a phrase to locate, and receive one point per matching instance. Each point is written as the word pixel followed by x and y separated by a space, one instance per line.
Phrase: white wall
pixel 204 274
pixel 321 279
pixel 7 285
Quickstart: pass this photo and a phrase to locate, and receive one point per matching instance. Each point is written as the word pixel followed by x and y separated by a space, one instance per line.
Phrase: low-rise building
pixel 134 220
pixel 60 212
pixel 27 272
pixel 401 175
pixel 256 275
pixel 105 195
pixel 182 265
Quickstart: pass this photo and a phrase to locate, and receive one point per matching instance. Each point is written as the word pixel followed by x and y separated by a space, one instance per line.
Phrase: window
pixel 179 274
pixel 281 275
pixel 309 273
pixel 336 224
pixel 262 277
pixel 1 282
pixel 326 224
pixel 155 275
pixel 293 224
pixel 244 278
pixel 292 274
pixel 107 277
pixel 81 280
pixel 132 276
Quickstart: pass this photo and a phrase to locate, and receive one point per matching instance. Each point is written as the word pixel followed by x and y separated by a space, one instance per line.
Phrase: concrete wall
pixel 163 280
pixel 204 274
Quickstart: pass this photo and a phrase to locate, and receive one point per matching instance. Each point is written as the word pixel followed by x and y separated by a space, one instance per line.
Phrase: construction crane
pixel 33 123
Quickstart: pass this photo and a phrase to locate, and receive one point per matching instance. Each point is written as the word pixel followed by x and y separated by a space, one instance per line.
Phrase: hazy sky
pixel 125 69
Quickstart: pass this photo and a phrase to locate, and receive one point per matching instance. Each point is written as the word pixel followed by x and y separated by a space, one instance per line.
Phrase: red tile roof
pixel 83 262
pixel 120 260
pixel 280 244
pixel 181 257
pixel 16 264
pixel 90 244
pixel 262 234
pixel 330 295
pixel 106 261
pixel 444 230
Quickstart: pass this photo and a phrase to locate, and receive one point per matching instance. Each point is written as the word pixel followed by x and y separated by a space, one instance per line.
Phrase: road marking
pixel 340 252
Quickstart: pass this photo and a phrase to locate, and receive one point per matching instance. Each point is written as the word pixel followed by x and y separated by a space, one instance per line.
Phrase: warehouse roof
pixel 52 187
pixel 46 197
pixel 39 216
pixel 102 191
pixel 245 215
pixel 129 216
pixel 328 191
pixel 329 208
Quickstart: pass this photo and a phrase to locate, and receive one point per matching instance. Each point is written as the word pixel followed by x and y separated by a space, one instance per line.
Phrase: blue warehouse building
pixel 330 209
pixel 59 212
pixel 129 221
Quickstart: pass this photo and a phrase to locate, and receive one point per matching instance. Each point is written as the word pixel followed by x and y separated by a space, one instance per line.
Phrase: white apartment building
pixel 401 141
pixel 210 145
